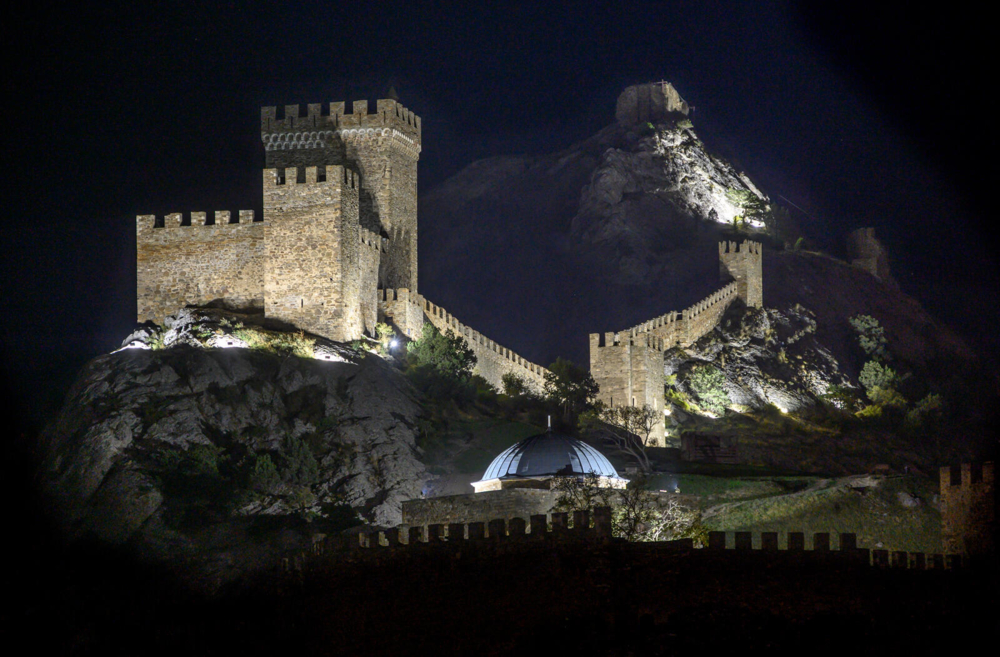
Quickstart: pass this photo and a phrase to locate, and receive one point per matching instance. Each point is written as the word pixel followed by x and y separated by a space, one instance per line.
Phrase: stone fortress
pixel 336 250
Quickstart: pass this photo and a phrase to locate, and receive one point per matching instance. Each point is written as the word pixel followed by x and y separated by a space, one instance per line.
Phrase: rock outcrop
pixel 223 457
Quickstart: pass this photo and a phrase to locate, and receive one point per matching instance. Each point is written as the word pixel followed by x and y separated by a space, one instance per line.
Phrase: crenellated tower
pixel 321 265
pixel 628 370
pixel 743 264
pixel 382 146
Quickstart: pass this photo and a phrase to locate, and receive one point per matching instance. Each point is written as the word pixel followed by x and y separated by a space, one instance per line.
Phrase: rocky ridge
pixel 223 457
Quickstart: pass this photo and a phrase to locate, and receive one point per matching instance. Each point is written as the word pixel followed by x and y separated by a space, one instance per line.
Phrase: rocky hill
pixel 624 226
pixel 221 458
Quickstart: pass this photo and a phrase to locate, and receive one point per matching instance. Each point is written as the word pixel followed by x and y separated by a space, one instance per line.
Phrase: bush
pixel 513 385
pixel 448 354
pixel 929 406
pixel 708 383
pixel 875 375
pixel 300 466
pixel 295 344
pixel 871 336
pixel 264 476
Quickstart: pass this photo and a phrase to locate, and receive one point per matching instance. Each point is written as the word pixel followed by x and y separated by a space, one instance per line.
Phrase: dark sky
pixel 860 115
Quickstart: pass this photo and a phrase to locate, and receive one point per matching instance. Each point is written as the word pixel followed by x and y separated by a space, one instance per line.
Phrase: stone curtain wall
pixel 684 328
pixel 313 273
pixel 511 503
pixel 408 310
pixel 188 261
pixel 968 509
pixel 629 372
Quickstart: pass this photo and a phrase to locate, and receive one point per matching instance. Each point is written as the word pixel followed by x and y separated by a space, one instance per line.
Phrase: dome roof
pixel 549 454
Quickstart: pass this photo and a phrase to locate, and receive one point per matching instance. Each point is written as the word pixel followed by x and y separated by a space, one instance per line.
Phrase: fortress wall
pixel 313 277
pixel 472 507
pixel 493 360
pixel 197 259
pixel 684 328
pixel 402 309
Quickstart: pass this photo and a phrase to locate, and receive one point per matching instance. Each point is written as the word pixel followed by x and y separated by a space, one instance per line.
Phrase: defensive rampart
pixel 493 360
pixel 682 329
pixel 595 529
pixel 198 259
pixel 629 371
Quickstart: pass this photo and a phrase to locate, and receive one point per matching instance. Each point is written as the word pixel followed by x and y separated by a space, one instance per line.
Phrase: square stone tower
pixel 382 146
pixel 629 372
pixel 743 264
pixel 321 266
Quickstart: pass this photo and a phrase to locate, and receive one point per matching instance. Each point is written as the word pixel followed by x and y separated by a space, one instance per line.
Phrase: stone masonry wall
pixel 313 273
pixel 510 503
pixel 684 328
pixel 186 262
pixel 968 509
pixel 629 372
pixel 743 263
pixel 383 146
pixel 408 311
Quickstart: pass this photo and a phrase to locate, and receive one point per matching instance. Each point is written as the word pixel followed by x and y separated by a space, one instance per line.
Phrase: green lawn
pixel 812 504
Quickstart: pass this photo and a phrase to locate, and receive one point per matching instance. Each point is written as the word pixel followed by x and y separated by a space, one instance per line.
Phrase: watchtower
pixel 968 509
pixel 743 264
pixel 383 147
pixel 628 370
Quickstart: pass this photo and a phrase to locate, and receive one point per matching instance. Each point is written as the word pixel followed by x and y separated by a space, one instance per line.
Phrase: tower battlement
pixel 313 125
pixel 743 263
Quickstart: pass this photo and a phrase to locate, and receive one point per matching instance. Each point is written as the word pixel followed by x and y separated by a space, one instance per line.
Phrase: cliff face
pixel 223 457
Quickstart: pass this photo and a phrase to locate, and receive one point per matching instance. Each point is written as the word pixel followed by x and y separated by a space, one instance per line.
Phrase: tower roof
pixel 549 454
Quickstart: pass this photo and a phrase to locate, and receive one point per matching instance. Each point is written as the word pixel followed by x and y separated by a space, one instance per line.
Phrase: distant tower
pixel 742 263
pixel 383 147
pixel 629 372
pixel 968 509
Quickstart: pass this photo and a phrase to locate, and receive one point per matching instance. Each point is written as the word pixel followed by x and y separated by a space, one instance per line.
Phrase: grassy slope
pixel 865 505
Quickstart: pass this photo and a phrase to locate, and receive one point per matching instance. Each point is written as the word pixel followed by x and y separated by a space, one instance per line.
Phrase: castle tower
pixel 742 263
pixel 629 372
pixel 968 509
pixel 321 266
pixel 383 147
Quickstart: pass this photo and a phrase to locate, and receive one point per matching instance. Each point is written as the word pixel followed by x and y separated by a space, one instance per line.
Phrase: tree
pixel 751 206
pixel 626 428
pixel 709 384
pixel 384 334
pixel 448 354
pixel 871 337
pixel 570 386
pixel 513 385
pixel 637 514
pixel 875 376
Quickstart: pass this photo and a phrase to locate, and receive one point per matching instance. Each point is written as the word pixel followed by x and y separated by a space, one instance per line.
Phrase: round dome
pixel 547 455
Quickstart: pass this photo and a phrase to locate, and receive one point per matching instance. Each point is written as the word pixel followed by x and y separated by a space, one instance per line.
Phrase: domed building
pixel 538 461
pixel 518 483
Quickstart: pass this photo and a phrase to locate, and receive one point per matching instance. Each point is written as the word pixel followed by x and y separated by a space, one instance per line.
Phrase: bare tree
pixel 627 429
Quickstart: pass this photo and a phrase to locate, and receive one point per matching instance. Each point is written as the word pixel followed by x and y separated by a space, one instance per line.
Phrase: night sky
pixel 857 115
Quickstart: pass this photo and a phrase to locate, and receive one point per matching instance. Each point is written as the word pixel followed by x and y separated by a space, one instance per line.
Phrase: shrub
pixel 384 335
pixel 929 406
pixel 448 354
pixel 264 476
pixel 875 375
pixel 300 466
pixel 708 383
pixel 871 336
pixel 513 385
pixel 296 344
